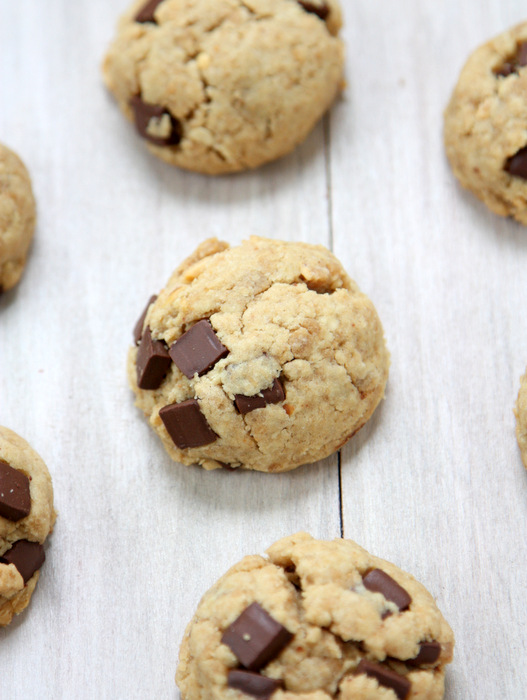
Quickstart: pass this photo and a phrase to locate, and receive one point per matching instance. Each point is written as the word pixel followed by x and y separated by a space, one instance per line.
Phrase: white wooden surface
pixel 434 482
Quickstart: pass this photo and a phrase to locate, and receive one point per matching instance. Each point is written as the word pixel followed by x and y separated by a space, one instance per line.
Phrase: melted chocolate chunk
pixel 186 424
pixel 321 10
pixel 138 328
pixel 517 164
pixel 146 13
pixel 27 556
pixel 197 350
pixel 429 653
pixel 246 404
pixel 256 638
pixel 379 581
pixel 144 112
pixel 386 677
pixel 15 499
pixel 513 64
pixel 253 684
pixel 152 362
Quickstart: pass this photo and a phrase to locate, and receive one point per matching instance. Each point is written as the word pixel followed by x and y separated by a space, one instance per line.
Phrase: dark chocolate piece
pixel 321 10
pixel 27 556
pixel 379 581
pixel 138 328
pixel 146 14
pixel 253 684
pixel 246 404
pixel 152 362
pixel 519 60
pixel 429 653
pixel 15 499
pixel 197 350
pixel 386 677
pixel 517 164
pixel 255 637
pixel 144 112
pixel 186 424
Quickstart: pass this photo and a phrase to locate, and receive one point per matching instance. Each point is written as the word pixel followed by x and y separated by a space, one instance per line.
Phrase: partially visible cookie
pixel 219 86
pixel 17 217
pixel 263 356
pixel 486 124
pixel 319 620
pixel 521 418
pixel 26 519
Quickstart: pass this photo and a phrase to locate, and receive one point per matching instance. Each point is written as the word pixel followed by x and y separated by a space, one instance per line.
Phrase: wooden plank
pixel 434 483
pixel 138 538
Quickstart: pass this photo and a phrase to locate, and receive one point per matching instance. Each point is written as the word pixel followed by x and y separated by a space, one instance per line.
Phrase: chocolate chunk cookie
pixel 486 124
pixel 263 356
pixel 17 217
pixel 26 519
pixel 521 418
pixel 219 86
pixel 315 619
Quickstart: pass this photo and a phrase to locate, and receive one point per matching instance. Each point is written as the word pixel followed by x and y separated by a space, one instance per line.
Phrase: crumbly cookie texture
pixel 486 124
pixel 219 86
pixel 27 517
pixel 521 418
pixel 264 356
pixel 315 620
pixel 17 217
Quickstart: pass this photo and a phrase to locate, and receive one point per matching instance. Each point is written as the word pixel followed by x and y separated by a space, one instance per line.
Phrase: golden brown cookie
pixel 17 217
pixel 318 620
pixel 486 124
pixel 521 418
pixel 219 86
pixel 263 356
pixel 26 519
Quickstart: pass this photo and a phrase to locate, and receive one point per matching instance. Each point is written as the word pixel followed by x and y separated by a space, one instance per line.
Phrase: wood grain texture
pixel 433 483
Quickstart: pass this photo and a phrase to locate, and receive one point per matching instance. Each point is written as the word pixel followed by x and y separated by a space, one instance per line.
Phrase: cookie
pixel 219 86
pixel 486 124
pixel 26 519
pixel 521 418
pixel 315 619
pixel 264 356
pixel 17 217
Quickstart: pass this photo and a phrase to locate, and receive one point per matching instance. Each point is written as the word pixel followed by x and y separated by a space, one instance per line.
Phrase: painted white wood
pixel 434 482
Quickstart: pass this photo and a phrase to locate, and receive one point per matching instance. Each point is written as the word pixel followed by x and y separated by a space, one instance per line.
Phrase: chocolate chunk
pixel 138 328
pixel 519 60
pixel 255 637
pixel 517 164
pixel 152 362
pixel 252 683
pixel 26 556
pixel 15 500
pixel 146 14
pixel 379 581
pixel 144 112
pixel 197 350
pixel 429 653
pixel 246 404
pixel 321 10
pixel 186 424
pixel 386 677
pixel 521 56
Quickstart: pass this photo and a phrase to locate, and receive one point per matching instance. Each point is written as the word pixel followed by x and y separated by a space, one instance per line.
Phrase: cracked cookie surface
pixel 219 86
pixel 521 418
pixel 26 519
pixel 263 356
pixel 17 217
pixel 485 127
pixel 306 622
